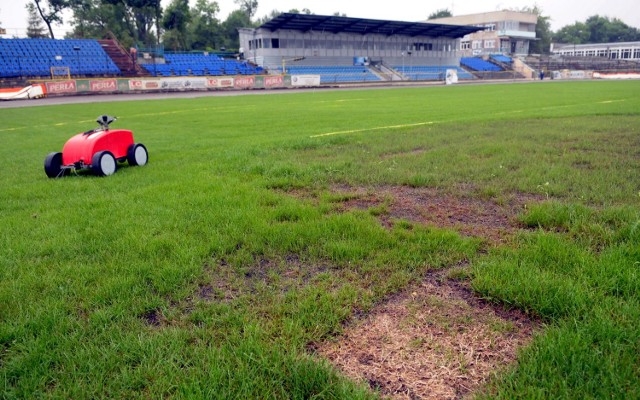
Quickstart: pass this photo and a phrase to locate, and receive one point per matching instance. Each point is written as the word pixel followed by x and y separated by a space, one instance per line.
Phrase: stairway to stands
pixel 122 58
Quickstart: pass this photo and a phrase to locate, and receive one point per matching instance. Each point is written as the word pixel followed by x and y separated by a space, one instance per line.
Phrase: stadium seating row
pixel 427 73
pixel 478 64
pixel 199 64
pixel 502 58
pixel 35 57
pixel 335 74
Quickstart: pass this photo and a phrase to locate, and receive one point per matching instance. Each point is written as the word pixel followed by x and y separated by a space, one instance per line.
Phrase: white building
pixel 612 51
pixel 507 32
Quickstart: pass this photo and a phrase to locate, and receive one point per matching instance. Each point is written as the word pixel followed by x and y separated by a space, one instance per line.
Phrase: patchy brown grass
pixel 435 341
pixel 471 216
pixel 223 282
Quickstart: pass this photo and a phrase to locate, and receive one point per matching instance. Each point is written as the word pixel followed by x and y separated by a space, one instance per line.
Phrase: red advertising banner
pixel 273 80
pixel 61 87
pixel 107 85
pixel 244 82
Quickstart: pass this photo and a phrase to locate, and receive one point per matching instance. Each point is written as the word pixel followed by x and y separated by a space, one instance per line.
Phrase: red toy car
pixel 99 149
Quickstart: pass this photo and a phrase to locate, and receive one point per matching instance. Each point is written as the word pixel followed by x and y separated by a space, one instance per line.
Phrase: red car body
pixel 100 149
pixel 82 147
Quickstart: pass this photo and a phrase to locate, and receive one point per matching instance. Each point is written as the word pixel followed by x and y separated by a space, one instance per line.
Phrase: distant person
pixel 541 75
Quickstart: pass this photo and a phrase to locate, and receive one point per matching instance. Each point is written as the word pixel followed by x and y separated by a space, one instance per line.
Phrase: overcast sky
pixel 13 15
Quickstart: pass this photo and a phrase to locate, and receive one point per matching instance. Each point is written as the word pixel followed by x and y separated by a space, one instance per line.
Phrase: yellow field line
pixel 374 129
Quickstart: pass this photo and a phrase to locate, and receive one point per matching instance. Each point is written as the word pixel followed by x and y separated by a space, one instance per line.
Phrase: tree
pixel 204 29
pixel 576 34
pixel 543 31
pixel 95 19
pixel 51 12
pixel 140 17
pixel 273 14
pixel 35 30
pixel 249 7
pixel 443 13
pixel 175 20
pixel 237 19
pixel 597 29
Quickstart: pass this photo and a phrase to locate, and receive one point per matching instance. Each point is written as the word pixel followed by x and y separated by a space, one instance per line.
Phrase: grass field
pixel 208 272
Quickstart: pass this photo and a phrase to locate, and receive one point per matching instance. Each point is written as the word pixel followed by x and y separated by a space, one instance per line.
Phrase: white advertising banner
pixel 305 80
pixel 144 84
pixel 183 83
pixel 220 82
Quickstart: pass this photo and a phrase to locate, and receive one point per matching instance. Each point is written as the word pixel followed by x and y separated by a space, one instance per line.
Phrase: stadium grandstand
pixel 337 49
pixel 343 49
pixel 51 57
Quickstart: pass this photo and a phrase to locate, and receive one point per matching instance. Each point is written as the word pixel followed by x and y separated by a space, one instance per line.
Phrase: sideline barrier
pixel 571 74
pixel 34 91
pixel 118 85
pixel 613 75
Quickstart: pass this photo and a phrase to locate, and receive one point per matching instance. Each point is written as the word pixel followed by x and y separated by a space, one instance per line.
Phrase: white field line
pixel 129 117
pixel 378 128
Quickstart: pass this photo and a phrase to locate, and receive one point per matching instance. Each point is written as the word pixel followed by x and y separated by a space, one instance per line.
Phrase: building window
pixel 489 44
pixel 465 45
pixel 275 43
pixel 490 27
pixel 477 44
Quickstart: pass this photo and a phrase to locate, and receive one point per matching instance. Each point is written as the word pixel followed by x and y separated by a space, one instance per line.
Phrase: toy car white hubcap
pixel 107 164
pixel 140 155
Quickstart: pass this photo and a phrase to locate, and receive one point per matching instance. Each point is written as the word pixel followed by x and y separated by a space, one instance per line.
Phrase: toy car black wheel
pixel 53 165
pixel 137 154
pixel 103 163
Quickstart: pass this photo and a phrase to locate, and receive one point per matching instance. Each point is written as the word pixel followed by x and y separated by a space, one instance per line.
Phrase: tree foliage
pixel 249 7
pixel 51 12
pixel 94 19
pixel 597 29
pixel 443 13
pixel 204 29
pixel 237 19
pixel 35 29
pixel 543 31
pixel 175 20
pixel 140 18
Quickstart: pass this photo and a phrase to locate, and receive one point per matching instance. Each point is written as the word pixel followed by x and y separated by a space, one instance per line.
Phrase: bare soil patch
pixel 469 215
pixel 435 341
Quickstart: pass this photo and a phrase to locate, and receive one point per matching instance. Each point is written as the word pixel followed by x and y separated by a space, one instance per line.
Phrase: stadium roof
pixel 334 24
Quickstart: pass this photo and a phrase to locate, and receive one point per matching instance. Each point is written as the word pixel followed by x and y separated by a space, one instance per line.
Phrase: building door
pixel 513 47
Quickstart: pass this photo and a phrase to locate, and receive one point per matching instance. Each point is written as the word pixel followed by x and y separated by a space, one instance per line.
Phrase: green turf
pixel 200 275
